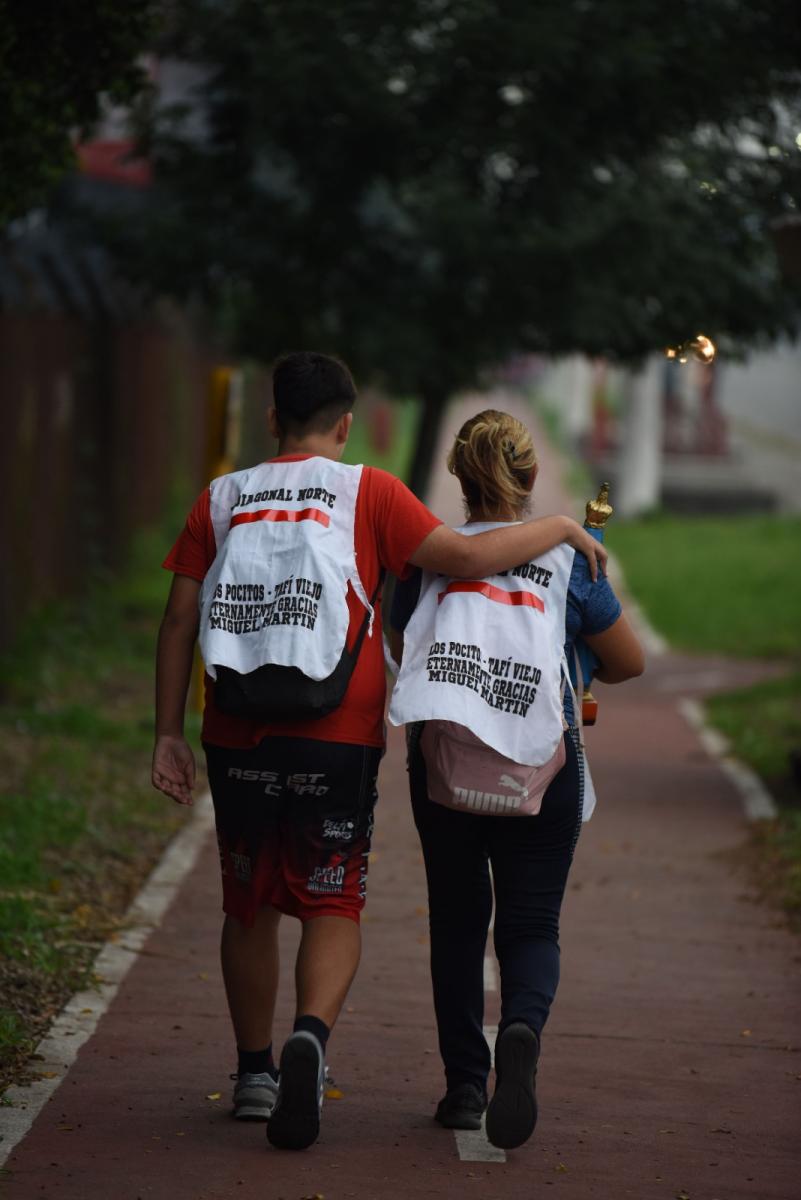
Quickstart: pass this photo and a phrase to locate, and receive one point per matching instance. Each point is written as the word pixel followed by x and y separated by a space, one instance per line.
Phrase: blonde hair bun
pixel 493 457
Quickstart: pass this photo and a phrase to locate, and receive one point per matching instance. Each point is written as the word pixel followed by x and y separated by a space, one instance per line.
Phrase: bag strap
pixel 368 617
pixel 574 694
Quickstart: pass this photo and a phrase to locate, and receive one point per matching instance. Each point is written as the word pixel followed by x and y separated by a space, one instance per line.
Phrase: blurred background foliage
pixel 425 187
pixel 58 61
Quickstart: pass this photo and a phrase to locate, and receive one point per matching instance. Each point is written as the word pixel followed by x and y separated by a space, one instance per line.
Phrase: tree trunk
pixel 434 405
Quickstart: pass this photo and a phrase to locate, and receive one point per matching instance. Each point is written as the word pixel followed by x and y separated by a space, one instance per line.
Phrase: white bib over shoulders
pixel 277 589
pixel 488 655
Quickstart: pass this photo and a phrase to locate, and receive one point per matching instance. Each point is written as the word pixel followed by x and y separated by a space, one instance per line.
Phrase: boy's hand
pixel 174 768
pixel 585 544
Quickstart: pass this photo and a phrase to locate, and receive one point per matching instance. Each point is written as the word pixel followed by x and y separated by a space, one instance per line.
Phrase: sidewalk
pixel 670 1067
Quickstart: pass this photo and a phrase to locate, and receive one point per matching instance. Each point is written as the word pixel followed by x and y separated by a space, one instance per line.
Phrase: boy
pixel 294 799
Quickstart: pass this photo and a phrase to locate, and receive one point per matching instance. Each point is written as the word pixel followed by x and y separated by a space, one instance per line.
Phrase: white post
pixel 639 473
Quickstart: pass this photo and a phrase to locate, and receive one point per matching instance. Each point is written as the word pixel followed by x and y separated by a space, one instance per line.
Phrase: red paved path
pixel 670 1065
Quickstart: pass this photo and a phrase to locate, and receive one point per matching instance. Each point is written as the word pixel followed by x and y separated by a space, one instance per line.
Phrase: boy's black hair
pixel 311 392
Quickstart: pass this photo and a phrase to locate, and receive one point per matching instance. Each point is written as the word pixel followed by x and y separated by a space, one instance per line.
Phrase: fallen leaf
pixel 682 1195
pixel 745 1033
pixel 561 1169
pixel 202 975
pixel 214 1095
pixel 333 1093
pixel 85 1011
pixel 48 1074
pixel 67 1128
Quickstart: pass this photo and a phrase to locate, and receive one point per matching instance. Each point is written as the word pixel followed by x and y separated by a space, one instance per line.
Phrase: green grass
pixel 398 456
pixel 732 586
pixel 763 724
pixel 779 866
pixel 717 585
pixel 80 825
pixel 12 1029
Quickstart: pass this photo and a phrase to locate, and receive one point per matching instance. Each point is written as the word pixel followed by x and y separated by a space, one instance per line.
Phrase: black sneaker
pixel 512 1111
pixel 462 1107
pixel 294 1123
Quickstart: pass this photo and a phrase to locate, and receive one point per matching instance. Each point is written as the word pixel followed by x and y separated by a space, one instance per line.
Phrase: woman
pixel 494 460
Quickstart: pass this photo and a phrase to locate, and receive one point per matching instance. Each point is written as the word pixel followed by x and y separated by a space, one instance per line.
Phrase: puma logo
pixel 507 781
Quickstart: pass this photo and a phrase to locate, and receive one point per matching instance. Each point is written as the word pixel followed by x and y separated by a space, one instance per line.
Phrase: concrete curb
pixel 80 1016
pixel 757 802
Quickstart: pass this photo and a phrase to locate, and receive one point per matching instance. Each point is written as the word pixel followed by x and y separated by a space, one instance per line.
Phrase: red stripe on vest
pixel 281 514
pixel 528 599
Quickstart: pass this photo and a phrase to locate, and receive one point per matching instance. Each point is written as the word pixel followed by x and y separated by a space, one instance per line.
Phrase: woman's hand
pixel 174 768
pixel 594 551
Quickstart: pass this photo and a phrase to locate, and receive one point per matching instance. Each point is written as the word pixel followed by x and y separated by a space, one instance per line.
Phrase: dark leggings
pixel 530 859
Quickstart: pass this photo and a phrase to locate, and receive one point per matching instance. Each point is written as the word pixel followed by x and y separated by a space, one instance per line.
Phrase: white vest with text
pixel 277 589
pixel 488 654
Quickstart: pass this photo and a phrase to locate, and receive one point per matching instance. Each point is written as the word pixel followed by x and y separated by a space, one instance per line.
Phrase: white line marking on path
pixel 490 974
pixel 472 1144
pixel 757 802
pixel 79 1018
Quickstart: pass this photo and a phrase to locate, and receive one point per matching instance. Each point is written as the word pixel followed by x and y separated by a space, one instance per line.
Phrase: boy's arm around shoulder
pixel 451 553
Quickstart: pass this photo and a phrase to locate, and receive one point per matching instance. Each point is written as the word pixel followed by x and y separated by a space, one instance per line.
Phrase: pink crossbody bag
pixel 466 774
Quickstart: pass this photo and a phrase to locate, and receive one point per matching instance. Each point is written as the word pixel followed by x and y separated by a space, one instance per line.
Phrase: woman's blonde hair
pixel 492 458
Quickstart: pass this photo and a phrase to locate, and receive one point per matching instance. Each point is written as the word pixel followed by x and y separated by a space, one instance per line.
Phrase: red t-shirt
pixel 390 524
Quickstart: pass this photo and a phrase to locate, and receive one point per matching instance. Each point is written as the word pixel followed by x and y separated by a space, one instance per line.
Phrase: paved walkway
pixel 671 1064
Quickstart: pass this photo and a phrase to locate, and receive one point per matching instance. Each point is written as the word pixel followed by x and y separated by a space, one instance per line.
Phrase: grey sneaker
pixel 254 1095
pixel 295 1121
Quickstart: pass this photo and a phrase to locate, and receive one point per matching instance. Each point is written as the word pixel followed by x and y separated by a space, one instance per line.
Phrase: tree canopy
pixel 424 186
pixel 56 62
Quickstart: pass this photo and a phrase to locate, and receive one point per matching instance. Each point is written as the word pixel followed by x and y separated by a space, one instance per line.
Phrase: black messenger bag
pixel 277 693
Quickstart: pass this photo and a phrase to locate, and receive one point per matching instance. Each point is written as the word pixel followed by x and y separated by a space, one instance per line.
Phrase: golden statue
pixel 599 511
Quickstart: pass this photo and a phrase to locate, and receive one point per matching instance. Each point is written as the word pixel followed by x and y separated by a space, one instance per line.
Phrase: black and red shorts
pixel 294 820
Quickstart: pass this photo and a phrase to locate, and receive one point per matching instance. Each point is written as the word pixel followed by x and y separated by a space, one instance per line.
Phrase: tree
pixel 56 59
pixel 426 186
